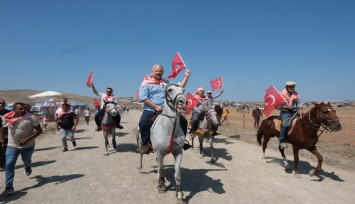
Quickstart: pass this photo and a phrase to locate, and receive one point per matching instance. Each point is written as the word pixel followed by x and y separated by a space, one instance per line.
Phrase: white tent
pixel 45 94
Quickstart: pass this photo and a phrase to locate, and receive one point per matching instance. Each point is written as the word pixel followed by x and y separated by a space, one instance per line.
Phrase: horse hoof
pixel 297 175
pixel 313 172
pixel 180 201
pixel 213 160
pixel 105 154
pixel 162 189
pixel 201 156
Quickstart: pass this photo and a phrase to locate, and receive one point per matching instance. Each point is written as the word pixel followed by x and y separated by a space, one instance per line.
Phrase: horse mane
pixel 313 109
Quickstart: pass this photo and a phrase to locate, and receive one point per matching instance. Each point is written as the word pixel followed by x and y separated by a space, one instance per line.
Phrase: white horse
pixel 108 126
pixel 167 136
pixel 205 131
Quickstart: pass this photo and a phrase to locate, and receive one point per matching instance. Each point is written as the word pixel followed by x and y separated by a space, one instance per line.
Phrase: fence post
pixel 243 120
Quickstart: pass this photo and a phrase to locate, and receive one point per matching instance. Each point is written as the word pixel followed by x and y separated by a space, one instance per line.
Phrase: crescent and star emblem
pixel 177 66
pixel 189 102
pixel 272 98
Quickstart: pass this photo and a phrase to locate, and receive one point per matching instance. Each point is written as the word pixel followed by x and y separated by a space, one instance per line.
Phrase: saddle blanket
pixel 278 123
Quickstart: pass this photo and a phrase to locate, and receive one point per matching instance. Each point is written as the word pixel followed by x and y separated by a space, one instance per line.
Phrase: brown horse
pixel 303 134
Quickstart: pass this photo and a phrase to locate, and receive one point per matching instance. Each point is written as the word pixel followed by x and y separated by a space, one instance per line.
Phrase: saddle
pixel 202 132
pixel 183 122
pixel 291 124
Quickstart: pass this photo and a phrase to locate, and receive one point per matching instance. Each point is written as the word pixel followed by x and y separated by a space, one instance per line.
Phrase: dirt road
pixel 84 175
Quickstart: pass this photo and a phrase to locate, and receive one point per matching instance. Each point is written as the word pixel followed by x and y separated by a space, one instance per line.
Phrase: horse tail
pixel 263 127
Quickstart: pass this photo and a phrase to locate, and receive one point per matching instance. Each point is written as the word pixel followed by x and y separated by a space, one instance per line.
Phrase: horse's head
pixel 211 116
pixel 175 99
pixel 219 111
pixel 110 108
pixel 327 116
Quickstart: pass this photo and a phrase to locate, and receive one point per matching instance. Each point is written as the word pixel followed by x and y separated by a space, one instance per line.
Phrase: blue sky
pixel 54 45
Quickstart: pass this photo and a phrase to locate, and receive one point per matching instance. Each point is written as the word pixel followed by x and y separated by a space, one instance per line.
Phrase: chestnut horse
pixel 303 134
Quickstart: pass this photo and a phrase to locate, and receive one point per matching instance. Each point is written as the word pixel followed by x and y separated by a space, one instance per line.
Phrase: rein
pixel 316 126
pixel 172 105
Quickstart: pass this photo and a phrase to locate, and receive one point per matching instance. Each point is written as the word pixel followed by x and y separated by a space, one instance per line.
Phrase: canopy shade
pixel 76 103
pixel 45 94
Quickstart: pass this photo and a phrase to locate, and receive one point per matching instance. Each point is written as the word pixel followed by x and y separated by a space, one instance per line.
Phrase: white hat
pixel 290 83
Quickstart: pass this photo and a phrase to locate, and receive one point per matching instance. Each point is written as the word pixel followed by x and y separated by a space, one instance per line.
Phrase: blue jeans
pixel 144 127
pixel 64 134
pixel 11 157
pixel 285 116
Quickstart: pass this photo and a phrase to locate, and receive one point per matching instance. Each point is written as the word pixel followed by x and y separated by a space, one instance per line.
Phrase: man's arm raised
pixel 186 78
pixel 94 90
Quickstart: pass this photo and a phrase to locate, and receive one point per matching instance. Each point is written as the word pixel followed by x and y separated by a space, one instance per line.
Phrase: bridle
pixel 172 102
pixel 324 121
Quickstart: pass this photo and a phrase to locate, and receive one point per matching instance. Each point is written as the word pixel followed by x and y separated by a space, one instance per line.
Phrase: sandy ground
pixel 84 175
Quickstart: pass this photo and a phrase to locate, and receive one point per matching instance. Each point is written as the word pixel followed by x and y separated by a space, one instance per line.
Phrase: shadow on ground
pixel 195 181
pixel 37 164
pixel 41 181
pixel 46 148
pixel 305 167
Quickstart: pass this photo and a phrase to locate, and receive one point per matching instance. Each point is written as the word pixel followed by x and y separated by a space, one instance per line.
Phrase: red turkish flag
pixel 96 103
pixel 177 65
pixel 272 100
pixel 89 82
pixel 191 102
pixel 216 83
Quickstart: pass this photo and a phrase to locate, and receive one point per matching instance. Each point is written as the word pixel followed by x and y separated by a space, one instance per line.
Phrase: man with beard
pixel 23 129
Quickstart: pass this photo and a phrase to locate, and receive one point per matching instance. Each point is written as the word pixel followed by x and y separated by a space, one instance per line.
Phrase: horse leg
pixel 105 133
pixel 160 161
pixel 320 161
pixel 213 159
pixel 202 153
pixel 284 159
pixel 140 162
pixel 296 159
pixel 114 137
pixel 178 157
pixel 265 141
pixel 139 142
pixel 192 143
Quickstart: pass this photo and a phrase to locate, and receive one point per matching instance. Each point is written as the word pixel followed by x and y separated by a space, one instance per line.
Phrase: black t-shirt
pixel 67 120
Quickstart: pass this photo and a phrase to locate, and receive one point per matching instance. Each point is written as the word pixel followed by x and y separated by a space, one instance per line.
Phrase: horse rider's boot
pixel 282 137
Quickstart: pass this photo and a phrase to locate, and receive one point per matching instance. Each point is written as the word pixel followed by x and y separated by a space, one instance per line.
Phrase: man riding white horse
pixel 151 93
pixel 199 111
pixel 106 98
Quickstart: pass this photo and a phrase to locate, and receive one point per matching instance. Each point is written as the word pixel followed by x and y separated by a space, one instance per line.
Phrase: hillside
pixel 12 96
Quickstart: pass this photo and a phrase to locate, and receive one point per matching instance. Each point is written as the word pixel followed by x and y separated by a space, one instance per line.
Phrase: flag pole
pixel 181 59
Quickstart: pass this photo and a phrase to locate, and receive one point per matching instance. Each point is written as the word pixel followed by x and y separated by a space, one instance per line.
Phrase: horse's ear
pixel 328 104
